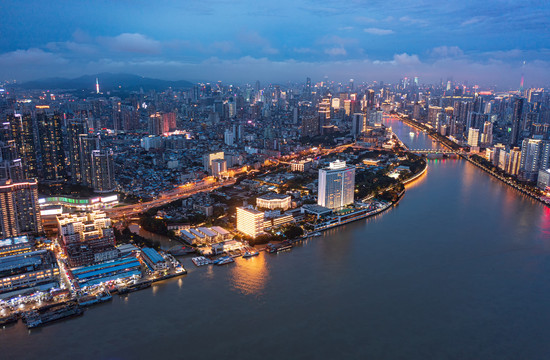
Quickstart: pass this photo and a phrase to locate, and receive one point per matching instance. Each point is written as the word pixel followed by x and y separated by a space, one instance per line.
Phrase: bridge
pixel 436 151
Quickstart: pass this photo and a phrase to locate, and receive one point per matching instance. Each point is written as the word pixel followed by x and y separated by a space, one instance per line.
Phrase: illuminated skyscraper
pixel 103 171
pixel 23 132
pixel 19 210
pixel 517 113
pixel 51 143
pixel 75 129
pixel 535 155
pixel 336 185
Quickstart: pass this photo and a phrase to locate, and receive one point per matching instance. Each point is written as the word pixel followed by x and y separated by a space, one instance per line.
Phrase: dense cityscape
pixel 225 171
pixel 294 180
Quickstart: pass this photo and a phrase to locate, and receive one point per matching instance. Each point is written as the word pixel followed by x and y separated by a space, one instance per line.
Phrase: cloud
pixel 406 59
pixel 255 39
pixel 446 51
pixel 377 31
pixel 413 21
pixel 474 20
pixel 364 20
pixel 336 51
pixel 131 43
pixel 303 50
pixel 336 40
pixel 32 56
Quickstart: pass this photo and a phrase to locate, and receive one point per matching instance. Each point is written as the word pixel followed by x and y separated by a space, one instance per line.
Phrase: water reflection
pixel 250 275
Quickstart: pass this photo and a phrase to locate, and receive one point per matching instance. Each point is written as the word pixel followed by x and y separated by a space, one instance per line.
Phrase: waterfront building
pixel 274 201
pixel 124 268
pixel 250 221
pixel 15 245
pixel 19 209
pixel 473 137
pixel 34 270
pixel 336 185
pixel 514 161
pixel 543 180
pixel 535 154
pixel 153 259
pixel 87 238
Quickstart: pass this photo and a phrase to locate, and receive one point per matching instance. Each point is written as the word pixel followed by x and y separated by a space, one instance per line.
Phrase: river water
pixel 460 269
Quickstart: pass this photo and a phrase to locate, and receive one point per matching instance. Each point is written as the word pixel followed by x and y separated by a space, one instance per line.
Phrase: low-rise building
pixel 273 201
pixel 153 259
pixel 28 271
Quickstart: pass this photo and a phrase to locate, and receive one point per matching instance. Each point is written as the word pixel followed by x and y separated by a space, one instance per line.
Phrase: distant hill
pixel 107 82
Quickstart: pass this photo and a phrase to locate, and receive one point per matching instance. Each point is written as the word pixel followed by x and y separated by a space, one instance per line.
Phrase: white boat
pixel 248 254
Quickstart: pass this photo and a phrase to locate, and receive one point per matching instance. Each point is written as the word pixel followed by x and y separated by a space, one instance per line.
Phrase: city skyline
pixel 244 41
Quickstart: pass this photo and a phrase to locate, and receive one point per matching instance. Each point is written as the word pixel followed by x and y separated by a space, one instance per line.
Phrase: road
pixel 165 198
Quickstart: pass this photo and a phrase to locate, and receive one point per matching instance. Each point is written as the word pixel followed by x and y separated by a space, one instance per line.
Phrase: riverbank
pixel 509 182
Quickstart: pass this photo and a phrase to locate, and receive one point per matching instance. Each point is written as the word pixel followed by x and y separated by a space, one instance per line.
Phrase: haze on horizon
pixel 487 43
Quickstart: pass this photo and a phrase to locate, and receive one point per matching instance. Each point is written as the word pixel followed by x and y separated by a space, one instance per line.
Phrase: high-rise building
pixel 87 144
pixel 51 145
pixel 168 122
pixel 336 185
pixel 473 137
pixel 11 167
pixel 76 128
pixel 23 127
pixel 310 125
pixel 103 171
pixel 535 154
pixel 358 124
pixel 487 136
pixel 515 135
pixel 229 137
pixel 219 167
pixel 155 124
pixel 208 158
pixel 514 161
pixel 250 221
pixel 19 210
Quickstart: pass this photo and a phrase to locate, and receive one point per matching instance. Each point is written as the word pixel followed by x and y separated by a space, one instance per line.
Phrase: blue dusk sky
pixel 482 42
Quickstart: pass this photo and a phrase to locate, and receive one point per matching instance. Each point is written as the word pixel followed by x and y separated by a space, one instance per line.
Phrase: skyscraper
pixel 87 144
pixel 23 132
pixel 336 185
pixel 535 155
pixel 51 144
pixel 358 124
pixel 19 210
pixel 517 130
pixel 103 171
pixel 76 128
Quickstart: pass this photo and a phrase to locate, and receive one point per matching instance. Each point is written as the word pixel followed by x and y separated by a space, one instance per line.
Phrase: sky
pixel 491 42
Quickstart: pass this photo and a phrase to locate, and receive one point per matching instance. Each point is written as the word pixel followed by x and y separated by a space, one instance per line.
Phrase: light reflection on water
pixel 250 275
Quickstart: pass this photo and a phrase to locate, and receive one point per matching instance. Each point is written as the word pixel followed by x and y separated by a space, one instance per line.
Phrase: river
pixel 460 269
